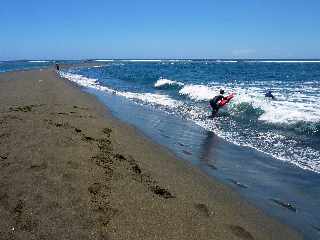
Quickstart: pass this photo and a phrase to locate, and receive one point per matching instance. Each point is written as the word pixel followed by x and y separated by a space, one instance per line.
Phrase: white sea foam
pixel 176 60
pixel 142 60
pixel 226 61
pixel 163 82
pixel 153 99
pixel 104 60
pixel 287 109
pixel 38 61
pixel 79 79
pixel 99 66
pixel 198 92
pixel 288 112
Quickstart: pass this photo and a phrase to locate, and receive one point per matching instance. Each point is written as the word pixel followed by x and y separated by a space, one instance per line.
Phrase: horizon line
pixel 159 59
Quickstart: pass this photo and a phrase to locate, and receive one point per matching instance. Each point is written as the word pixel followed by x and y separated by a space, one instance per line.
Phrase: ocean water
pixel 7 66
pixel 287 128
pixel 267 150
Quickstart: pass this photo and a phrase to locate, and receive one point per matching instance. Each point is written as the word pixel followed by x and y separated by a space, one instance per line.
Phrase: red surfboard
pixel 226 99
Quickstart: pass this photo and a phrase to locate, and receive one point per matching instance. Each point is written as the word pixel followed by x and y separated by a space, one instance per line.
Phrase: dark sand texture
pixel 69 170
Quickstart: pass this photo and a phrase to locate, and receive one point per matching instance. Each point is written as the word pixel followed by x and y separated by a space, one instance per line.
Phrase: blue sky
pixel 73 29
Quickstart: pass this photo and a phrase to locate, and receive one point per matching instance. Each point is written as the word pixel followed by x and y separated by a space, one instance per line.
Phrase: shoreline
pixel 126 185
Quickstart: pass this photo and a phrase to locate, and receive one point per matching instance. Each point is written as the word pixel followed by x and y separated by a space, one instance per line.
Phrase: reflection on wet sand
pixel 208 149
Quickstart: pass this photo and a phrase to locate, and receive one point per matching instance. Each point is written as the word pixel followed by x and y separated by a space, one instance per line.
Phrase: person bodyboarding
pixel 214 103
pixel 219 101
pixel 270 95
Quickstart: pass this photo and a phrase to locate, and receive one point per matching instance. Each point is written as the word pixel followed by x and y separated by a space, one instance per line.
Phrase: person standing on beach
pixel 57 67
pixel 214 103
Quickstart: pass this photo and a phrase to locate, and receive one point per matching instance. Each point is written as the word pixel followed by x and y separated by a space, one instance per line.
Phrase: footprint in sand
pixel 162 192
pixel 136 169
pixel 22 108
pixel 120 157
pixel 38 165
pixel 77 130
pixel 105 214
pixel 3 156
pixel 87 138
pixel 95 188
pixel 240 232
pixel 73 165
pixel 4 198
pixel 83 108
pixel 203 209
pixel 107 131
pixel 145 179
pixel 4 135
pixel 19 207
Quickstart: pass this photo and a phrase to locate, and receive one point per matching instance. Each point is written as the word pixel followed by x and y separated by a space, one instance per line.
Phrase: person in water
pixel 214 102
pixel 269 95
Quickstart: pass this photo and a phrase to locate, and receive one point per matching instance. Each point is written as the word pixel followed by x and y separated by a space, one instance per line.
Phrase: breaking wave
pixel 104 60
pixel 165 83
pixel 198 92
pixel 151 98
pixel 38 61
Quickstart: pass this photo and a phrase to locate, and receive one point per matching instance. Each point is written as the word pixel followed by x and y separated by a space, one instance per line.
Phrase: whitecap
pixel 142 60
pixel 226 61
pixel 153 99
pixel 198 92
pixel 38 61
pixel 163 82
pixel 104 60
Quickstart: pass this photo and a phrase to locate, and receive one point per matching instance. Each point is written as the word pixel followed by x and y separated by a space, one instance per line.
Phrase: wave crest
pixel 38 61
pixel 150 98
pixel 198 92
pixel 163 83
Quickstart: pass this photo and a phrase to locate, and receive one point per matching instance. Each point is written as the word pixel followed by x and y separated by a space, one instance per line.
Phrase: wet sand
pixel 69 170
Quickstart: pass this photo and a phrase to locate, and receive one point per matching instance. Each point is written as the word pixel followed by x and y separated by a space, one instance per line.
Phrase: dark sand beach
pixel 69 170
